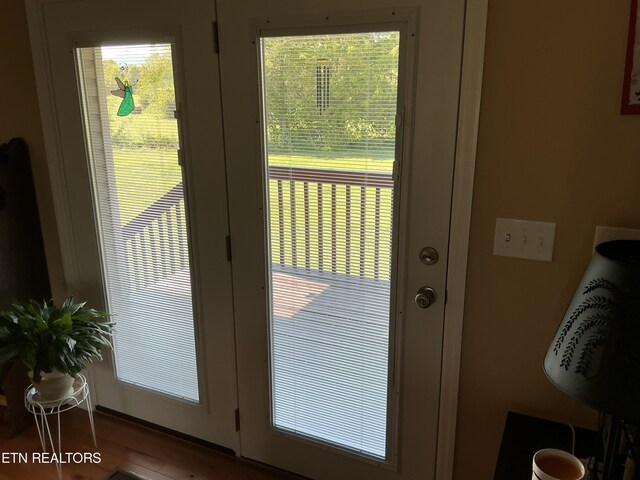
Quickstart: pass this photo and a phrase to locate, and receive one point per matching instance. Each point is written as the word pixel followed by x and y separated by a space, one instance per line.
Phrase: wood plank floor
pixel 121 444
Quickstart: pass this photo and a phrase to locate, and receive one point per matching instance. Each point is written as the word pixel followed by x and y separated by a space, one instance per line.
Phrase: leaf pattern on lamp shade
pixel 589 324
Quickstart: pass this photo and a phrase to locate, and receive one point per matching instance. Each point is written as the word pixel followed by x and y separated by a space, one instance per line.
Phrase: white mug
pixel 553 464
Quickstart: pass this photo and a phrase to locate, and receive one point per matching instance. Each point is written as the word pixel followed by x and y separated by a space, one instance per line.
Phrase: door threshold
pixel 195 440
pixel 166 431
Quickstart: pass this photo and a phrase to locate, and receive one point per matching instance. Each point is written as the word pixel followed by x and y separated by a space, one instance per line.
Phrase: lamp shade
pixel 595 354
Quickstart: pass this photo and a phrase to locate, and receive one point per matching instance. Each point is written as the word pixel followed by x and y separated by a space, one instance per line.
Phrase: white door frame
pixel 465 164
pixel 468 122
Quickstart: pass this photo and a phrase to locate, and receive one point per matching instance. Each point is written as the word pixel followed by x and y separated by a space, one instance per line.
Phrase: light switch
pixel 524 239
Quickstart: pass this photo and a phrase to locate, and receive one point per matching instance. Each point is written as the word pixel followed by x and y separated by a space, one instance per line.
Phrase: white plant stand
pixel 42 410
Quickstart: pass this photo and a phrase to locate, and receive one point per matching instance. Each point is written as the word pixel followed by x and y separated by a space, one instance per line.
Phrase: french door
pixel 138 122
pixel 340 128
pixel 247 186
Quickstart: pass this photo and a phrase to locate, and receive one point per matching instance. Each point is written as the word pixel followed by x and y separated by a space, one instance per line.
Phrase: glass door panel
pixel 329 105
pixel 131 129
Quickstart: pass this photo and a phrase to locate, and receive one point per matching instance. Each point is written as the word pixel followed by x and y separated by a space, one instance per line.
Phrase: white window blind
pixel 330 105
pixel 132 135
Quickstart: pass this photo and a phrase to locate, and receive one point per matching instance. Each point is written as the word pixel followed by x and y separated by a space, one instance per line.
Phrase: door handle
pixel 425 297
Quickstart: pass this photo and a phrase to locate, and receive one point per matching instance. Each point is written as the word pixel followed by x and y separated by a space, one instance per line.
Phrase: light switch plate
pixel 524 239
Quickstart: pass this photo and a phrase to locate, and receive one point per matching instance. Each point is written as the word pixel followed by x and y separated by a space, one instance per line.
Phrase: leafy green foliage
pixel 357 116
pixel 153 120
pixel 360 112
pixel 45 337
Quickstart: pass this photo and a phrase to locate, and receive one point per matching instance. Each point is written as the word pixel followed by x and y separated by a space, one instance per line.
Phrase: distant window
pixel 323 75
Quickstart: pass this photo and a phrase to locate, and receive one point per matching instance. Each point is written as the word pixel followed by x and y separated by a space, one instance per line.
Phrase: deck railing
pixel 342 219
pixel 159 232
pixel 327 220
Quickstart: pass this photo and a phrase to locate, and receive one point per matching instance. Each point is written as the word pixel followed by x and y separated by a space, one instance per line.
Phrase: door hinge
pixel 446 295
pixel 228 239
pixel 395 175
pixel 180 157
pixel 237 418
pixel 216 37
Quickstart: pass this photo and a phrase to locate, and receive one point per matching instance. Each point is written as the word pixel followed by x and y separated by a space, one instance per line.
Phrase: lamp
pixel 595 354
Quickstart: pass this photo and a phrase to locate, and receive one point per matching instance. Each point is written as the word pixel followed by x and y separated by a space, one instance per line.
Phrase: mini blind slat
pixel 330 106
pixel 140 211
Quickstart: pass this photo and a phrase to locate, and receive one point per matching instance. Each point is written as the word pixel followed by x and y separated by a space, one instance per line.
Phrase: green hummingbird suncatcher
pixel 124 91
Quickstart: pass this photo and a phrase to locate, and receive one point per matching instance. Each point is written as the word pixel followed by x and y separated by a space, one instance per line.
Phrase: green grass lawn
pixel 333 162
pixel 143 175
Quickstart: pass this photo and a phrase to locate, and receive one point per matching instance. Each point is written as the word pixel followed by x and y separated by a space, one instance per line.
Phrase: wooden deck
pixel 330 337
pixel 330 304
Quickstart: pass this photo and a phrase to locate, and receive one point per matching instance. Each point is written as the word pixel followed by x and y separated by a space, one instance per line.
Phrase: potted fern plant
pixel 54 343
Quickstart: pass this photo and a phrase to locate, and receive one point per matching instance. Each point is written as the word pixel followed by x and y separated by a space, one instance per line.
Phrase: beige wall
pixel 20 117
pixel 552 146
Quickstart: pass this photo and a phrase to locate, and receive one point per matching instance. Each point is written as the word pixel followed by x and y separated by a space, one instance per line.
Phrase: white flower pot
pixel 53 386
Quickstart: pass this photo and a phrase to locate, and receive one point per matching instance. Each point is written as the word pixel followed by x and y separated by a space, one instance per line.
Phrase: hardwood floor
pixel 121 444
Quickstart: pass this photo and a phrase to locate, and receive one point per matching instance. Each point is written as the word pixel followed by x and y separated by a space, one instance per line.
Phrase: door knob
pixel 425 297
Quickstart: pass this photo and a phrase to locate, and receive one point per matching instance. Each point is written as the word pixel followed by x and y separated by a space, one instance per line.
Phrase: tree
pixel 156 76
pixel 360 74
pixel 154 97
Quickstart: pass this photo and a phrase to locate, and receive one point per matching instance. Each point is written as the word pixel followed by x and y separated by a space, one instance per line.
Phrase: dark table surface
pixel 525 435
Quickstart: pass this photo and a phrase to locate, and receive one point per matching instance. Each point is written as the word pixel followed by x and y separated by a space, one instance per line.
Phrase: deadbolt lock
pixel 429 255
pixel 425 297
